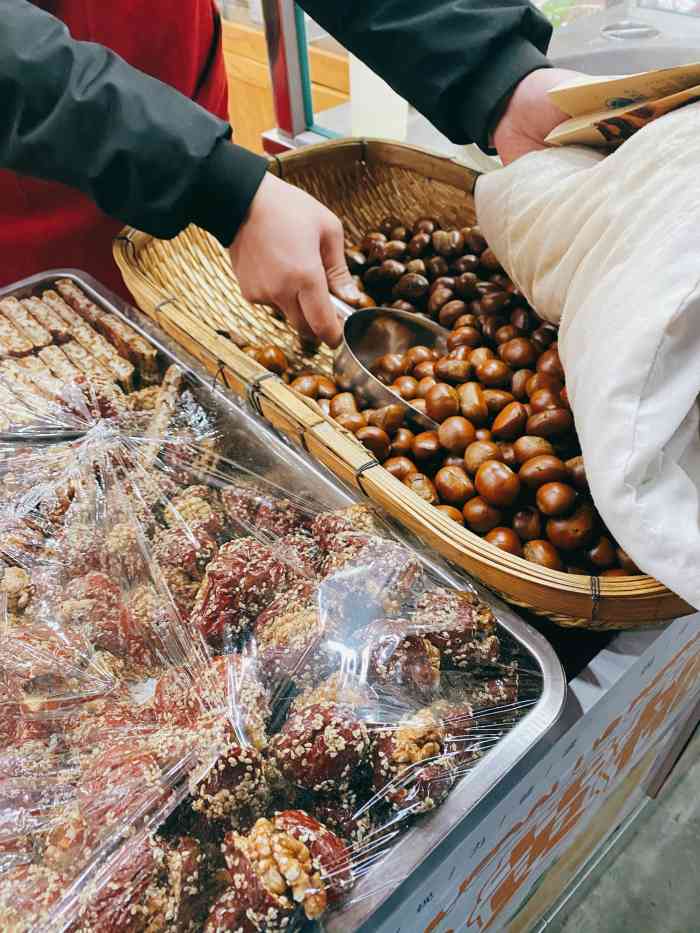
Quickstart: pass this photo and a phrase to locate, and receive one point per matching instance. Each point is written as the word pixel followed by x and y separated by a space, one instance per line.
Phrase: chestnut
pixel 508 454
pixel 450 312
pixel 400 232
pixel 356 260
pixel 418 354
pixel 452 370
pixel 453 485
pixel 504 334
pixel 452 513
pixel 544 336
pixel 472 403
pixel 527 524
pixel 422 486
pixel 461 353
pixel 390 271
pixel 375 440
pixel 483 434
pixel 390 366
pixel 388 224
pixel 510 422
pixel 550 422
pixel 395 249
pixel 626 562
pixel 550 364
pixel 465 285
pixel 489 260
pixel 272 358
pixel 352 420
pixel 577 473
pixel 518 352
pixel 494 301
pixel 494 373
pixel 527 447
pixel 376 254
pixel 497 483
pixel 496 400
pixel 479 452
pixel 402 442
pixel 421 370
pixel 464 336
pixel 426 225
pixel 572 532
pixel 441 401
pixel 406 386
pixel 389 418
pixel 480 355
pixel 424 386
pixel 306 384
pixel 401 305
pixel 543 381
pixel 418 244
pixel 614 572
pixel 474 239
pixel 456 434
pixel 555 499
pixel 370 239
pixel 436 266
pixel 521 321
pixel 505 539
pixel 411 287
pixel 480 516
pixel 543 553
pixel 602 554
pixel 419 405
pixel 544 400
pixel 541 469
pixel 466 263
pixel 454 460
pixel 343 403
pixel 439 297
pixel 466 320
pixel 325 405
pixel 448 243
pixel 518 384
pixel 489 325
pixel 400 467
pixel 426 445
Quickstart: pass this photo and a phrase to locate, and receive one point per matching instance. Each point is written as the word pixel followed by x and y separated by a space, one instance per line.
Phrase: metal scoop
pixel 370 333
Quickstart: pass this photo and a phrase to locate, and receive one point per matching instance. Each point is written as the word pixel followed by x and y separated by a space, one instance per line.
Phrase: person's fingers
pixel 295 316
pixel 318 311
pixel 340 281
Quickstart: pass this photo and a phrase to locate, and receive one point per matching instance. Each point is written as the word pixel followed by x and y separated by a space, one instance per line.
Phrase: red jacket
pixel 44 225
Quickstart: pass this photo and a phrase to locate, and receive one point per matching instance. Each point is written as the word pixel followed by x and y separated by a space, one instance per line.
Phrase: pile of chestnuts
pixel 505 459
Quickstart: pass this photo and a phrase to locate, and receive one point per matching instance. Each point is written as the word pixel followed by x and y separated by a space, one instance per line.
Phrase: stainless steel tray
pixel 254 445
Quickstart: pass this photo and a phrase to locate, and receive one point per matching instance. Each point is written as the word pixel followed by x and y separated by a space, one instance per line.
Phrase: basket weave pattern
pixel 187 286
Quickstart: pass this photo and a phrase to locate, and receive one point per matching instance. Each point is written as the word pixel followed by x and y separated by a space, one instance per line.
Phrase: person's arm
pixel 456 61
pixel 76 113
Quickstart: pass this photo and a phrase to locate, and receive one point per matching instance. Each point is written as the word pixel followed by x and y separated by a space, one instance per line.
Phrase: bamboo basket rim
pixel 598 599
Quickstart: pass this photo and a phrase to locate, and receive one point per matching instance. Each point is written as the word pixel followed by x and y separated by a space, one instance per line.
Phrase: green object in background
pixel 557 11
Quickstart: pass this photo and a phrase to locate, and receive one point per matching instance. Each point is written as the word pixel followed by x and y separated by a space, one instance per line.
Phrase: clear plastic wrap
pixel 222 701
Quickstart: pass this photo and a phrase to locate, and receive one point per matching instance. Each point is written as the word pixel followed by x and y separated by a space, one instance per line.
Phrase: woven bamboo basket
pixel 187 287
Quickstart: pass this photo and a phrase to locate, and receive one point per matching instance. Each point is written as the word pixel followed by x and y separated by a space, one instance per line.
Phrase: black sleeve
pixel 454 60
pixel 76 113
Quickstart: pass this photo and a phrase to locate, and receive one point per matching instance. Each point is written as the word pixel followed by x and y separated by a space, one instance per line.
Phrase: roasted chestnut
pixel 543 553
pixel 453 485
pixel 480 516
pixel 456 433
pixel 510 422
pixel 375 440
pixel 572 532
pixel 426 446
pixel 497 483
pixel 479 452
pixel 541 469
pixel 494 373
pixel 441 401
pixel 422 486
pixel 555 499
pixel 400 467
pixel 505 539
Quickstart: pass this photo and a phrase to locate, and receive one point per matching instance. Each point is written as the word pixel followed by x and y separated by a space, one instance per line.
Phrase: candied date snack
pixel 186 548
pixel 301 550
pixel 195 504
pixel 235 790
pixel 250 505
pixel 396 656
pixel 320 747
pixel 66 841
pixel 366 578
pixel 459 725
pixel 408 765
pixel 27 893
pixel 341 816
pixel 460 626
pixel 237 586
pixel 18 588
pixel 290 643
pixel 271 872
pixel 353 519
pixel 330 856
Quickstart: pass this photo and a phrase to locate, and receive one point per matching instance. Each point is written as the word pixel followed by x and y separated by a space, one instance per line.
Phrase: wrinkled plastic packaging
pixel 221 702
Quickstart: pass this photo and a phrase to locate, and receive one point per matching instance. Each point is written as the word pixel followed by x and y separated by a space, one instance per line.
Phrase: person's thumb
pixel 340 281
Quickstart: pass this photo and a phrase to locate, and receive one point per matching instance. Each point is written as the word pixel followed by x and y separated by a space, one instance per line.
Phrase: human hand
pixel 290 252
pixel 530 115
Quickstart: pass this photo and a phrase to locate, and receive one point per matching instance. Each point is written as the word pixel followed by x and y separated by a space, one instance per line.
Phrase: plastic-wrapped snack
pixel 18 314
pixel 17 587
pixel 359 519
pixel 459 625
pixel 271 872
pixel 238 584
pixel 392 653
pixel 321 747
pixel 249 503
pixel 48 318
pixel 12 341
pixel 27 894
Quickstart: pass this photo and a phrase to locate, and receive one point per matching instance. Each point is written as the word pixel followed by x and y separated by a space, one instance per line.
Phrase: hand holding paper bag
pixel 609 248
